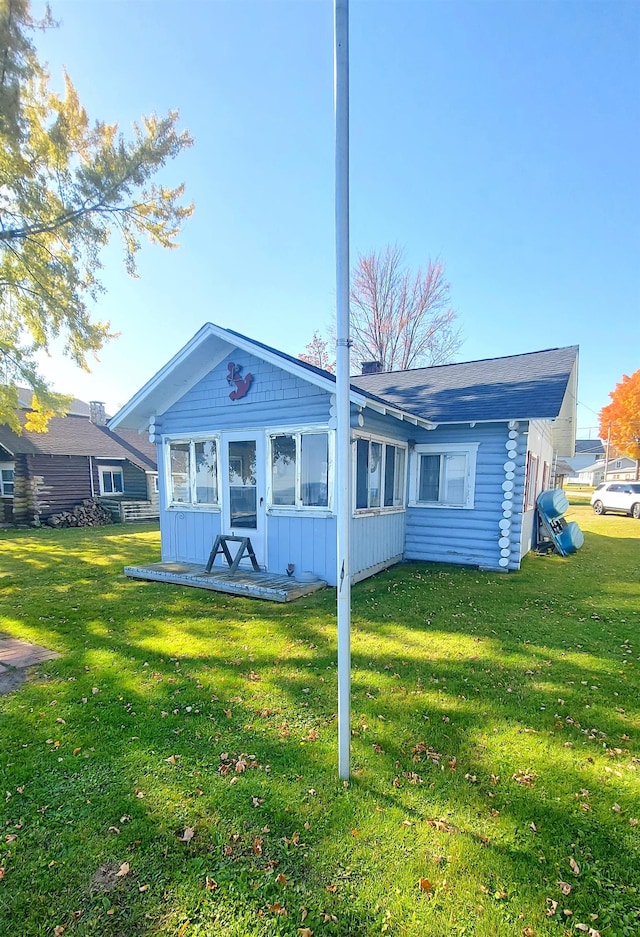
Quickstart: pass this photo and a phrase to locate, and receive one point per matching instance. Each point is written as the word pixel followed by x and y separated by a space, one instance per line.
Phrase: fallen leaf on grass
pixel 187 836
pixel 257 846
pixel 525 777
pixel 528 932
pixel 425 885
pixel 552 907
pixel 277 908
pixel 143 888
pixel 575 868
pixel 172 759
pixel 210 883
pixel 281 878
pixel 305 932
pixel 59 930
pixel 123 870
pixel 564 887
pixel 183 929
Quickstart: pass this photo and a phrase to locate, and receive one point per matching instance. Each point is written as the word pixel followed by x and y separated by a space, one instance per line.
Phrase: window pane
pixel 118 485
pixel 283 470
pixel 206 472
pixel 429 481
pixel 362 469
pixel 455 472
pixel 107 482
pixel 179 461
pixel 375 474
pixel 242 484
pixel 398 488
pixel 389 474
pixel 314 465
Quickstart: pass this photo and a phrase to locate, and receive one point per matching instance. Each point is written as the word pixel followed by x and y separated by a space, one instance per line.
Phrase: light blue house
pixel 447 461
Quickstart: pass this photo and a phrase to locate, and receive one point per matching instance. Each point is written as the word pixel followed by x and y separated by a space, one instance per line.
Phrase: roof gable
pixel 204 352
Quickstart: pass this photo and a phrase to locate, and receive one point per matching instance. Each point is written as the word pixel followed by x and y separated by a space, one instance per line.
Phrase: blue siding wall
pixel 274 398
pixel 307 542
pixel 471 537
pixel 375 539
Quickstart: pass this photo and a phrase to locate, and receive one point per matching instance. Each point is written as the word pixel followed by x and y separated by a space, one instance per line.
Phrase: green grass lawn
pixel 187 741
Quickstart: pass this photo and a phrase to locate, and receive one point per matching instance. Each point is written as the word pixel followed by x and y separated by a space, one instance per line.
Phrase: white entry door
pixel 243 494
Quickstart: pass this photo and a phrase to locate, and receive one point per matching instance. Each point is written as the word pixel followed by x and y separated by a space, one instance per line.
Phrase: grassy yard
pixel 174 772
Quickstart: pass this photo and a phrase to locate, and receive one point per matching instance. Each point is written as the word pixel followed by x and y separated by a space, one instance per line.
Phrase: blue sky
pixel 501 137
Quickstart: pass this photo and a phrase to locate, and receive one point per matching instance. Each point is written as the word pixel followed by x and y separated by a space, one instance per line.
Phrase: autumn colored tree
pixel 317 353
pixel 67 186
pixel 399 317
pixel 621 418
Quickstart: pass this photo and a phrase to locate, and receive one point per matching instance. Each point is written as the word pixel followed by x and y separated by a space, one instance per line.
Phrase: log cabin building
pixel 78 457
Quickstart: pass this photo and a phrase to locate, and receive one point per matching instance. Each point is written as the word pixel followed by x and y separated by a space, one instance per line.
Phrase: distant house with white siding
pixel 447 461
pixel 588 451
pixel 618 468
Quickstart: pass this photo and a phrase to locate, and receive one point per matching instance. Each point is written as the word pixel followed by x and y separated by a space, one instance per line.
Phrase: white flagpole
pixel 343 414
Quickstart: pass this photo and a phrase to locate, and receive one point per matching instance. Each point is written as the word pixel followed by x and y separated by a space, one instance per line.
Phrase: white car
pixel 617 496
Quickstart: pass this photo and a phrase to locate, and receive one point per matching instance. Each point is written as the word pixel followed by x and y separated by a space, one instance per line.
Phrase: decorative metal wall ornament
pixel 242 384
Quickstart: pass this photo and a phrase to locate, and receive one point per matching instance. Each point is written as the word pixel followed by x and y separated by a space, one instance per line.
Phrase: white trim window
pixel 379 475
pixel 193 471
pixel 444 476
pixel 7 476
pixel 300 470
pixel 111 479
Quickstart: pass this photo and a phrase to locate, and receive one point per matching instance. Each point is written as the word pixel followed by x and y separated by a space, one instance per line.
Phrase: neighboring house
pixel 77 458
pixel 618 467
pixel 447 461
pixel 562 472
pixel 588 451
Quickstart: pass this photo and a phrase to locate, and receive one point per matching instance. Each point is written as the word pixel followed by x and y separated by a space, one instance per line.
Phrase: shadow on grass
pixel 461 681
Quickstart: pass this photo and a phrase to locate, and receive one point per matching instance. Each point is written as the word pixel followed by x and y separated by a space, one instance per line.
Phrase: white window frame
pixel 7 467
pixel 112 469
pixel 470 450
pixel 384 441
pixel 190 440
pixel 299 508
pixel 531 482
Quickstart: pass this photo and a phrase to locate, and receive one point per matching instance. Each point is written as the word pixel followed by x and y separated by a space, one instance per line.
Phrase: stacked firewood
pixel 88 514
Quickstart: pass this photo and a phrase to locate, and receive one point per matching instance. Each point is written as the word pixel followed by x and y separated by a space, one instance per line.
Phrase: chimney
pixel 97 413
pixel 371 367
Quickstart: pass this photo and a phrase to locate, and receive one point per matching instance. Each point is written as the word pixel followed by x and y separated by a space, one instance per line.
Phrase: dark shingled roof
pixel 77 435
pixel 529 386
pixel 589 447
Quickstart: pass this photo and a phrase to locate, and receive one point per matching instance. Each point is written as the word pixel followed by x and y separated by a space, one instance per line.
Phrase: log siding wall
pixel 471 536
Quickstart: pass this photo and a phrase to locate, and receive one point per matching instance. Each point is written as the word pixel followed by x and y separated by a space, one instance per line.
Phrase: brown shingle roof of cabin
pixel 77 435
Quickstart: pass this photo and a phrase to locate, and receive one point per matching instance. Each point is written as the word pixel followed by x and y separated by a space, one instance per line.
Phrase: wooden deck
pixel 244 582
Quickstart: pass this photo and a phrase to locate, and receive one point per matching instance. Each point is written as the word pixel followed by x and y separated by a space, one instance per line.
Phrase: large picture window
pixel 444 476
pixel 380 474
pixel 299 470
pixel 193 471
